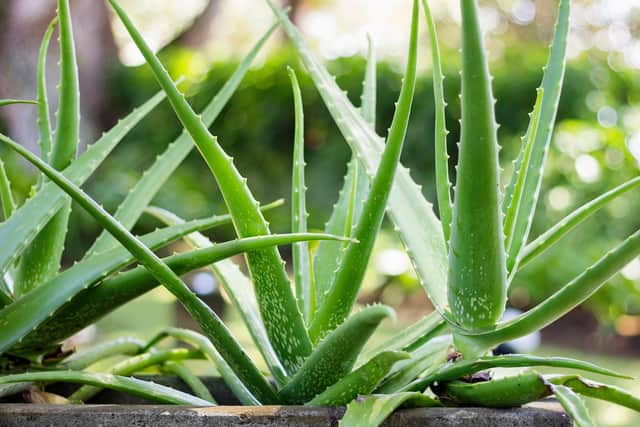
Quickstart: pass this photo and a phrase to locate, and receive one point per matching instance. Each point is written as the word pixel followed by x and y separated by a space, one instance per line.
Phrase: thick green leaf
pixel 210 323
pixel 334 357
pixel 238 287
pixel 373 410
pixel 575 218
pixel 155 177
pixel 341 296
pixel 135 364
pixel 418 226
pixel 477 284
pixel 359 382
pixel 507 392
pixel 93 303
pixel 204 345
pixel 552 87
pixel 302 274
pixel 443 183
pixel 17 232
pixel 597 390
pixel 557 305
pixel 574 405
pixel 95 353
pixel 144 389
pixel 44 121
pixel 457 370
pixel 282 320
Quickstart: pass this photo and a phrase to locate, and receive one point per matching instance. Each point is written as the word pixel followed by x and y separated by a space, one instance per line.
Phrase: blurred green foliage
pixel 257 129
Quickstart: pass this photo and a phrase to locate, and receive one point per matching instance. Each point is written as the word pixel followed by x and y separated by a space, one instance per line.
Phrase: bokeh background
pixel 596 144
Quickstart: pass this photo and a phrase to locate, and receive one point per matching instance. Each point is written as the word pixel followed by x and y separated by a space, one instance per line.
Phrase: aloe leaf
pixel 44 122
pixel 334 357
pixel 135 364
pixel 144 389
pixel 557 305
pixel 409 336
pixel 418 226
pixel 597 390
pixel 238 287
pixel 373 410
pixel 574 405
pixel 5 102
pixel 443 183
pixel 93 303
pixel 566 224
pixel 477 284
pixel 512 242
pixel 369 86
pixel 424 360
pixel 348 209
pixel 6 196
pixel 201 342
pixel 17 232
pixel 210 323
pixel 361 381
pixel 342 294
pixel 68 127
pixel 282 320
pixel 552 87
pixel 302 274
pixel 41 303
pixel 42 258
pixel 95 353
pixel 456 370
pixel 507 392
pixel 189 378
pixel 154 178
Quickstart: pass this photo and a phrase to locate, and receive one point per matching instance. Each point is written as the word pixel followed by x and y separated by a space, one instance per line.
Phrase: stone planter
pixel 114 409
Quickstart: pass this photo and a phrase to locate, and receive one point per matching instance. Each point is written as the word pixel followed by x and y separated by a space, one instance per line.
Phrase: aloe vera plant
pixel 303 328
pixel 467 259
pixel 302 337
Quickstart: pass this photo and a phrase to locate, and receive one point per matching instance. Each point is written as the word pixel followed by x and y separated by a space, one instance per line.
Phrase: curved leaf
pixel 95 353
pixel 144 389
pixel 373 410
pixel 555 233
pixel 574 405
pixel 135 364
